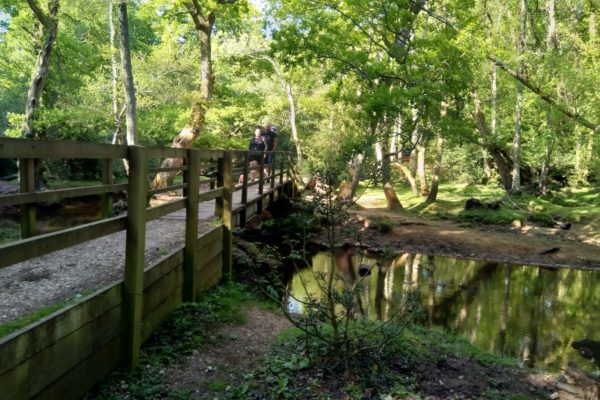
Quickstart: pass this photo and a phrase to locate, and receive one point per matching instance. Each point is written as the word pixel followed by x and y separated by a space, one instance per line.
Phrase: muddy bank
pixel 444 238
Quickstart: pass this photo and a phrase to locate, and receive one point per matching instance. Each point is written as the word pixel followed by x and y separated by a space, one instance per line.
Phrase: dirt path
pixel 527 245
pixel 217 367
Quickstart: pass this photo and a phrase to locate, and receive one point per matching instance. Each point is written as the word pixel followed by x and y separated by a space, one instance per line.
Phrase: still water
pixel 530 313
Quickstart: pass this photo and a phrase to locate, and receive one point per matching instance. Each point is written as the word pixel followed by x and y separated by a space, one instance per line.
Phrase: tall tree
pixel 48 21
pixel 204 16
pixel 516 150
pixel 127 73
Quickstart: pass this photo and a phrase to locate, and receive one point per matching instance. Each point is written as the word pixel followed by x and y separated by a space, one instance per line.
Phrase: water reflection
pixel 530 313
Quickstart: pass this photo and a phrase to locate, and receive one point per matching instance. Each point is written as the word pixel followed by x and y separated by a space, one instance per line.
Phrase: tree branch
pixel 39 14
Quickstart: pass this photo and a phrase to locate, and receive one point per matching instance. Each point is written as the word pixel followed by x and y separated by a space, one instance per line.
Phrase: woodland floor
pixel 209 371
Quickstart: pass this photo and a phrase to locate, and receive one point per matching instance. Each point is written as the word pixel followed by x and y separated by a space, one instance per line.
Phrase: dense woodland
pixel 474 91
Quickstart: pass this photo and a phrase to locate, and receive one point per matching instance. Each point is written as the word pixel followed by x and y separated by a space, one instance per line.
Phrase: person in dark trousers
pixel 270 136
pixel 257 144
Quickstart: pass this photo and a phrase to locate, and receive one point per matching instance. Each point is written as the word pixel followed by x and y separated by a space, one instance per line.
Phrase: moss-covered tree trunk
pixel 49 28
pixel 186 137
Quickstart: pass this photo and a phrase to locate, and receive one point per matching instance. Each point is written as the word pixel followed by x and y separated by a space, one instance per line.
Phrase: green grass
pixel 581 205
pixel 14 325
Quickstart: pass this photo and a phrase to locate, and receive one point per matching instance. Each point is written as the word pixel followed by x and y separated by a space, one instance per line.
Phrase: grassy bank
pixel 576 206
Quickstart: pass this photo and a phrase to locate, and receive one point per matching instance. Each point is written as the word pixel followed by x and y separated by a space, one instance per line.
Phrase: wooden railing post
pixel 106 199
pixel 272 170
pixel 191 225
pixel 244 190
pixel 280 188
pixel 27 184
pixel 261 182
pixel 291 176
pixel 224 210
pixel 133 286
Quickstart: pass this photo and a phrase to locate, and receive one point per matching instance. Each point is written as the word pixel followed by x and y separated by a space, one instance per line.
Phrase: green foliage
pixel 188 327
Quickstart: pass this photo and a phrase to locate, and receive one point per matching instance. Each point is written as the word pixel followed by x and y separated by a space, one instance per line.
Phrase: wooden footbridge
pixel 64 354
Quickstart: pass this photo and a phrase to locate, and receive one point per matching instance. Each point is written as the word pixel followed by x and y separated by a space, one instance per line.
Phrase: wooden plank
pixel 209 252
pixel 171 188
pixel 164 209
pixel 210 195
pixel 84 376
pixel 24 343
pixel 211 274
pixel 42 369
pixel 28 148
pixel 59 194
pixel 163 266
pixel 26 249
pixel 204 153
pixel 156 293
pixel 133 284
pixel 207 237
pixel 167 169
pixel 191 224
pixel 165 152
pixel 106 200
pixel 27 184
pixel 154 319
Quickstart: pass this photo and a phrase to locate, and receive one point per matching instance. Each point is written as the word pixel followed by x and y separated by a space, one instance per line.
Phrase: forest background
pixel 469 91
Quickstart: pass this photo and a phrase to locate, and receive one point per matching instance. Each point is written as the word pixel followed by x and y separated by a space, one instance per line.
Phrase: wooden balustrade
pixel 217 168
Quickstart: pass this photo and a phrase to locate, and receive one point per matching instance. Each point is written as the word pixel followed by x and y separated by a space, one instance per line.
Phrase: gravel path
pixel 79 270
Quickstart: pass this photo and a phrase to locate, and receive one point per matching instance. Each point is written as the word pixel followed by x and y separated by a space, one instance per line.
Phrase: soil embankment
pixel 526 245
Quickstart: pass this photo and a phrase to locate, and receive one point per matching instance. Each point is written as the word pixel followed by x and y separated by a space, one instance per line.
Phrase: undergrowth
pixel 188 327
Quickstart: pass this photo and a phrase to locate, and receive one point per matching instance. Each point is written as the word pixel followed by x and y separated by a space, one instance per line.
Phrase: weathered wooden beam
pixel 244 190
pixel 191 225
pixel 26 249
pixel 28 148
pixel 106 199
pixel 27 185
pixel 133 287
pixel 59 194
pixel 224 210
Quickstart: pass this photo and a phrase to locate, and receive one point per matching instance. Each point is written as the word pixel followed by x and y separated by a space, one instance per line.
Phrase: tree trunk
pixel 435 178
pixel 49 24
pixel 127 72
pixel 498 156
pixel 355 168
pixel 408 175
pixel 551 36
pixel 393 203
pixel 543 185
pixel 287 88
pixel 114 76
pixel 439 148
pixel 187 136
pixel 516 151
pixel 423 187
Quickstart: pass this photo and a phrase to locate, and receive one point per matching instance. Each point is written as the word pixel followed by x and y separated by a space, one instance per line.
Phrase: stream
pixel 526 312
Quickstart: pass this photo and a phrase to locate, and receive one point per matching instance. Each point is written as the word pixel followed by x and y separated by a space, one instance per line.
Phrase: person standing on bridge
pixel 270 136
pixel 257 147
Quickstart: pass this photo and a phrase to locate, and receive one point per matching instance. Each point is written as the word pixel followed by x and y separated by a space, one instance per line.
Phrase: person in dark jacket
pixel 270 136
pixel 256 147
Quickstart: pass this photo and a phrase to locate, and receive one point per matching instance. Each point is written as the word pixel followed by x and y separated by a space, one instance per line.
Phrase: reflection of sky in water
pixel 526 312
pixel 294 306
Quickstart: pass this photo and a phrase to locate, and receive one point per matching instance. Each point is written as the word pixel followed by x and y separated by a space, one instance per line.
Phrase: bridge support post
pixel 191 225
pixel 224 210
pixel 244 190
pixel 273 170
pixel 106 199
pixel 27 184
pixel 133 286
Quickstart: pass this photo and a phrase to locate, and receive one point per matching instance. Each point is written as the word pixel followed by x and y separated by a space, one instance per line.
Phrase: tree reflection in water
pixel 531 313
